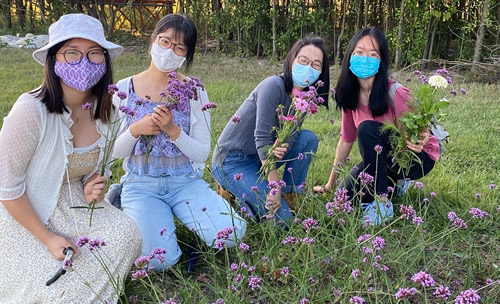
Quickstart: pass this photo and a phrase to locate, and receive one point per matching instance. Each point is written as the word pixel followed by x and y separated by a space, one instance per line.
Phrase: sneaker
pixel 375 213
pixel 402 186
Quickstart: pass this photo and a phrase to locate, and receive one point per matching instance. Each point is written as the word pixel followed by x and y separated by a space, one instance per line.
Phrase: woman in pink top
pixel 362 93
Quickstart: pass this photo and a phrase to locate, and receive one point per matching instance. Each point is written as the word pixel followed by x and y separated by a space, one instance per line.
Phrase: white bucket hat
pixel 76 26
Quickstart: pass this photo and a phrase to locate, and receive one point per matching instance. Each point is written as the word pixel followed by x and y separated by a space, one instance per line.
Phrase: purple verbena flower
pixel 407 212
pixel 378 243
pixel 139 274
pixel 355 273
pixel 208 106
pixel 83 240
pixel 236 119
pixel 418 221
pixel 418 185
pixel 142 262
pixel 404 293
pixel 237 176
pixel 310 223
pixel 87 106
pixel 365 178
pixel 121 95
pixel 224 233
pixel 442 292
pixel 112 89
pixel 254 282
pixel 423 278
pixel 288 240
pixel 356 300
pixel 478 213
pixel 469 296
pixel 363 238
pixel 243 246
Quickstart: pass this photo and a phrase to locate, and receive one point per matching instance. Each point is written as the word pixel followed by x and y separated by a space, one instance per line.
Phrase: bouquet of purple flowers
pixel 304 103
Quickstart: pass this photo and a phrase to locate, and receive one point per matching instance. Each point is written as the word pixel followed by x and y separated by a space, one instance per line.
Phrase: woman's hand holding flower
pixel 165 121
pixel 145 126
pixel 419 145
pixel 280 150
pixel 94 188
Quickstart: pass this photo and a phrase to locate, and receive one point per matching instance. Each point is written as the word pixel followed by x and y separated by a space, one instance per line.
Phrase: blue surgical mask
pixel 304 75
pixel 364 66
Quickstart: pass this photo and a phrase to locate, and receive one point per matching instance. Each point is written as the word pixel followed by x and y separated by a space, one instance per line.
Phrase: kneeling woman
pixel 362 93
pixel 167 182
pixel 241 148
pixel 52 145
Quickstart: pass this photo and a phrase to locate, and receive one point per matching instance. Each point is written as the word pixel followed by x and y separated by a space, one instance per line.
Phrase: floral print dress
pixel 27 264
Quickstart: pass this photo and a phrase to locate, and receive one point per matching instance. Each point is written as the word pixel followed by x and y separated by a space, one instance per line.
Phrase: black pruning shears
pixel 67 263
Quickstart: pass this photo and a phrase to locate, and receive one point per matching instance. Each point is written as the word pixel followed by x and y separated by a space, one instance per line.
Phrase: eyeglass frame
pixel 172 44
pixel 310 62
pixel 86 55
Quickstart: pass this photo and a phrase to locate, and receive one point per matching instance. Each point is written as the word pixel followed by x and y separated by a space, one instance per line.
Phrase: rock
pixel 30 41
pixel 21 43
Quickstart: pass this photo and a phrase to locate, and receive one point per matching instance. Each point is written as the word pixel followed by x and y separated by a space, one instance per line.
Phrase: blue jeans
pixel 254 201
pixel 153 201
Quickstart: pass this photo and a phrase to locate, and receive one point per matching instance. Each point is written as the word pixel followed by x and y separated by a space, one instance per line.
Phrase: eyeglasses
pixel 166 43
pixel 73 56
pixel 316 64
pixel 373 54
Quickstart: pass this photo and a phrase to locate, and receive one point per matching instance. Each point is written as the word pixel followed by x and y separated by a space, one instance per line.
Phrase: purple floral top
pixel 164 157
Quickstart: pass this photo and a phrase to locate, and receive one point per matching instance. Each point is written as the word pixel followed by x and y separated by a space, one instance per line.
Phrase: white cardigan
pixel 195 146
pixel 34 145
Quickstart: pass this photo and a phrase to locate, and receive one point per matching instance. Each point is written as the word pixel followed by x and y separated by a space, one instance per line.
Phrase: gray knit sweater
pixel 258 117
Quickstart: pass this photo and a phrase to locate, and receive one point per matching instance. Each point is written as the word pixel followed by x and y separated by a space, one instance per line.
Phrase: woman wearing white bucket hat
pixel 52 146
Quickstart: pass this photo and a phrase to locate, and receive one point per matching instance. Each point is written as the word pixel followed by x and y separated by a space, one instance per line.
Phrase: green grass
pixel 460 259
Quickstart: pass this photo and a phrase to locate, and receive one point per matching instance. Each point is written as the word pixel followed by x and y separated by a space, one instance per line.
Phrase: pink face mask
pixel 81 76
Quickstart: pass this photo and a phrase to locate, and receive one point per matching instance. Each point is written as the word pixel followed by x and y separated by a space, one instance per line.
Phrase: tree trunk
pixel 334 3
pixel 497 39
pixel 426 47
pixel 365 11
pixel 480 35
pixel 274 14
pixel 337 56
pixel 397 59
pixel 433 35
pixel 21 14
pixel 5 9
pixel 359 13
pixel 217 7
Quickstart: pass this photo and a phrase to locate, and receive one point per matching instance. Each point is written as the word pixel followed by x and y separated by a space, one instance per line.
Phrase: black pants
pixel 369 136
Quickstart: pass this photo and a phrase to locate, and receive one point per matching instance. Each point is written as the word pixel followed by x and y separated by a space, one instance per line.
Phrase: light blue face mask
pixel 364 66
pixel 304 75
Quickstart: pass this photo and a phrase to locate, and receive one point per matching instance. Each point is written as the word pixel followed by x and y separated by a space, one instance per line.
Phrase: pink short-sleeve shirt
pixel 351 120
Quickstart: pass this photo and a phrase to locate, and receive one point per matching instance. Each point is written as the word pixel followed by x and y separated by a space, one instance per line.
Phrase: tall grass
pixel 321 272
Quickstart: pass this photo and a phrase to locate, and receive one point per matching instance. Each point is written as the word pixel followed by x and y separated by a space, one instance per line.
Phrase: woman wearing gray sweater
pixel 242 147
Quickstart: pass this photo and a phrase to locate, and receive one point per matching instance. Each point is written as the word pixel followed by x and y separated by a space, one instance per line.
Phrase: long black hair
pixel 325 71
pixel 181 25
pixel 347 88
pixel 51 93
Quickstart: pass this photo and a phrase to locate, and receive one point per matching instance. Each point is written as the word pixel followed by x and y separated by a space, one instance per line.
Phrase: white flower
pixel 437 81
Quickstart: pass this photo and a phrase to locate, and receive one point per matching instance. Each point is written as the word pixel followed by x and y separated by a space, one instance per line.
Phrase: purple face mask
pixel 81 76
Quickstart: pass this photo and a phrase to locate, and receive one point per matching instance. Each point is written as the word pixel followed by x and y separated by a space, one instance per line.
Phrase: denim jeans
pixel 154 201
pixel 294 175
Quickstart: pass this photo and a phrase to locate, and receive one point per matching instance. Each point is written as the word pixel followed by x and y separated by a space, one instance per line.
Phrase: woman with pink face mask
pixel 167 181
pixel 52 145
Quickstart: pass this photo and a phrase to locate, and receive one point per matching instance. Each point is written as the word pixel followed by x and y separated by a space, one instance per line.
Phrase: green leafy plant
pixel 426 109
